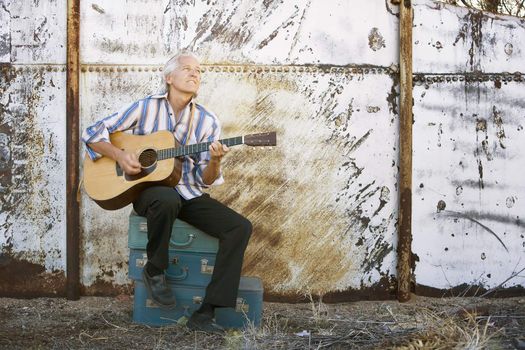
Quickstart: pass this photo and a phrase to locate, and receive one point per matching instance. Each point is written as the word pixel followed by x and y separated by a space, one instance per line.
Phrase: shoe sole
pixel 150 295
pixel 196 328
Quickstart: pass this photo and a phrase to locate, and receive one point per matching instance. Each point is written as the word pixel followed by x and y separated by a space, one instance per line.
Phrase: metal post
pixel 404 248
pixel 72 150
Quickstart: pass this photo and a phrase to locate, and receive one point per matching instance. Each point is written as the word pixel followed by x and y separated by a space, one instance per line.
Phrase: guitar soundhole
pixel 148 158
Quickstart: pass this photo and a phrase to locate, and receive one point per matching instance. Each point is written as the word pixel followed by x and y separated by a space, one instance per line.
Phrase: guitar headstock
pixel 262 139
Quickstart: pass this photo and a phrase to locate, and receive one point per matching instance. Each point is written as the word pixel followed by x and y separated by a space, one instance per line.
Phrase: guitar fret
pixel 195 148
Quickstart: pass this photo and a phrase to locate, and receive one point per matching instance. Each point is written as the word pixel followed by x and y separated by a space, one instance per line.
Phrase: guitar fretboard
pixel 195 148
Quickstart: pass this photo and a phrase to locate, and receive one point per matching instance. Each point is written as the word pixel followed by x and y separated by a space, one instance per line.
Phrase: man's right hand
pixel 129 162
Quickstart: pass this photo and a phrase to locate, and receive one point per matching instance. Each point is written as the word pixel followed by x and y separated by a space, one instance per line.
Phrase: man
pixel 190 123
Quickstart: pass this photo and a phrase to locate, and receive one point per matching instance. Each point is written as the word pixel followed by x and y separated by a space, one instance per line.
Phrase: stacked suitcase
pixel 192 257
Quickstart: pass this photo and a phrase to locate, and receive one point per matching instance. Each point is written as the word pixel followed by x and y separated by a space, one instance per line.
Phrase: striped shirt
pixel 154 113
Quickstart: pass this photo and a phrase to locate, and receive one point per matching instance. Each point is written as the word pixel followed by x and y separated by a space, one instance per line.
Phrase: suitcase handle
pixel 191 236
pixel 180 277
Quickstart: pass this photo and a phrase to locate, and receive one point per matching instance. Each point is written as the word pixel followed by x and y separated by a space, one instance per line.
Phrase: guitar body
pixel 111 189
pixel 160 157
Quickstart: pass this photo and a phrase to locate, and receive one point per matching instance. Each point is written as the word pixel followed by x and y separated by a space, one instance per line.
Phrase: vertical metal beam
pixel 72 150
pixel 404 247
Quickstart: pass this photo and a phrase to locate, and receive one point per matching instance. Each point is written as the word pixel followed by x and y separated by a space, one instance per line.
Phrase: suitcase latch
pixel 205 268
pixel 242 306
pixel 140 262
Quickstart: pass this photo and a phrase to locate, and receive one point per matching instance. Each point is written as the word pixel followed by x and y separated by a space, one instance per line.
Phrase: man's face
pixel 186 77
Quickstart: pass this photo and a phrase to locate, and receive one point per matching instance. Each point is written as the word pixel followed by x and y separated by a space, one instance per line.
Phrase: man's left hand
pixel 218 150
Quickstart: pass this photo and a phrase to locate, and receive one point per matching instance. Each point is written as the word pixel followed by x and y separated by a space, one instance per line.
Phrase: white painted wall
pixel 468 148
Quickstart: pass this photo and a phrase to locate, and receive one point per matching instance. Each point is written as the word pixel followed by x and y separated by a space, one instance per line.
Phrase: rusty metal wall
pixel 32 147
pixel 468 140
pixel 322 74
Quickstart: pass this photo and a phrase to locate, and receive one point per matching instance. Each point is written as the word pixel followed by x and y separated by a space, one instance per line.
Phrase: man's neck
pixel 178 101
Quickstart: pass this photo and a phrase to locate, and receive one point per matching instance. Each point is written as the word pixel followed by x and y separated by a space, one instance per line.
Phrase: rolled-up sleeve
pixel 204 157
pixel 124 119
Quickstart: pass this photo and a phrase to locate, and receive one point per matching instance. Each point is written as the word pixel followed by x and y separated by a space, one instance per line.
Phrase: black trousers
pixel 162 205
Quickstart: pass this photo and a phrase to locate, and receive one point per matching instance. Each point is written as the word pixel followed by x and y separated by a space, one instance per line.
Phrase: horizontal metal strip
pixel 468 77
pixel 360 70
pixel 249 69
pixel 33 68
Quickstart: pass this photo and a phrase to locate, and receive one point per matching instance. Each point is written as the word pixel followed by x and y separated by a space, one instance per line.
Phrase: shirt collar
pixel 164 95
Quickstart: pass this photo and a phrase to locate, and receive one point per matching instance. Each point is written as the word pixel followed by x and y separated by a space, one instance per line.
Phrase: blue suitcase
pixel 248 310
pixel 183 237
pixel 184 267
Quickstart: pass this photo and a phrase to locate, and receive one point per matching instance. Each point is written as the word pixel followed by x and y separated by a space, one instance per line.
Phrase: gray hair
pixel 173 63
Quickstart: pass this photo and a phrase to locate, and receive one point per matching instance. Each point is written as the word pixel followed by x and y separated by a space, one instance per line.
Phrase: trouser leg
pixel 160 205
pixel 233 231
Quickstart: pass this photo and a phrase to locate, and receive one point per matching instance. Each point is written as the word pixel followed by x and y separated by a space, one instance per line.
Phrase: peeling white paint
pixel 450 39
pixel 255 32
pixel 468 142
pixel 324 197
pixel 38 31
pixel 32 219
pixel 468 139
pixel 280 65
pixel 5 34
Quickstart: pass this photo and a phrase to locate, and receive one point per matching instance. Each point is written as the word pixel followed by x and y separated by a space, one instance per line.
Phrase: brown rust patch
pixel 28 200
pixel 375 40
pixel 472 31
pixel 302 196
pixel 385 289
pixel 20 278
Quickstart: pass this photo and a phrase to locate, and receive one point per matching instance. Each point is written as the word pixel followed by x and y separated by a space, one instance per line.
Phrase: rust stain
pixel 98 8
pixel 23 178
pixel 375 40
pixel 287 23
pixel 301 230
pixel 498 123
pixel 472 30
pixel 20 278
pixel 385 289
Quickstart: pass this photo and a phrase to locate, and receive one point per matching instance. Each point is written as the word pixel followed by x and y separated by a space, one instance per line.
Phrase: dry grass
pixel 425 328
pixel 452 333
pixel 423 323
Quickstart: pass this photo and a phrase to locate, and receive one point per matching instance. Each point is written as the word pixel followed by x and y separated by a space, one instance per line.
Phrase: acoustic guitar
pixel 160 157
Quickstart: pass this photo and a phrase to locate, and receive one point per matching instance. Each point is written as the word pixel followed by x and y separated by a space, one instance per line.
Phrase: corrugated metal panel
pixel 104 233
pixel 38 31
pixel 241 31
pixel 450 39
pixel 32 215
pixel 329 207
pixel 32 148
pixel 468 137
pixel 327 199
pixel 468 195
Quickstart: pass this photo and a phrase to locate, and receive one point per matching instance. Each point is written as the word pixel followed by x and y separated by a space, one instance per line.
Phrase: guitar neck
pixel 196 148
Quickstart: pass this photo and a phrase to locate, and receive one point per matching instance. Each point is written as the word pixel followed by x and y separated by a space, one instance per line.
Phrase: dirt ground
pixel 422 323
